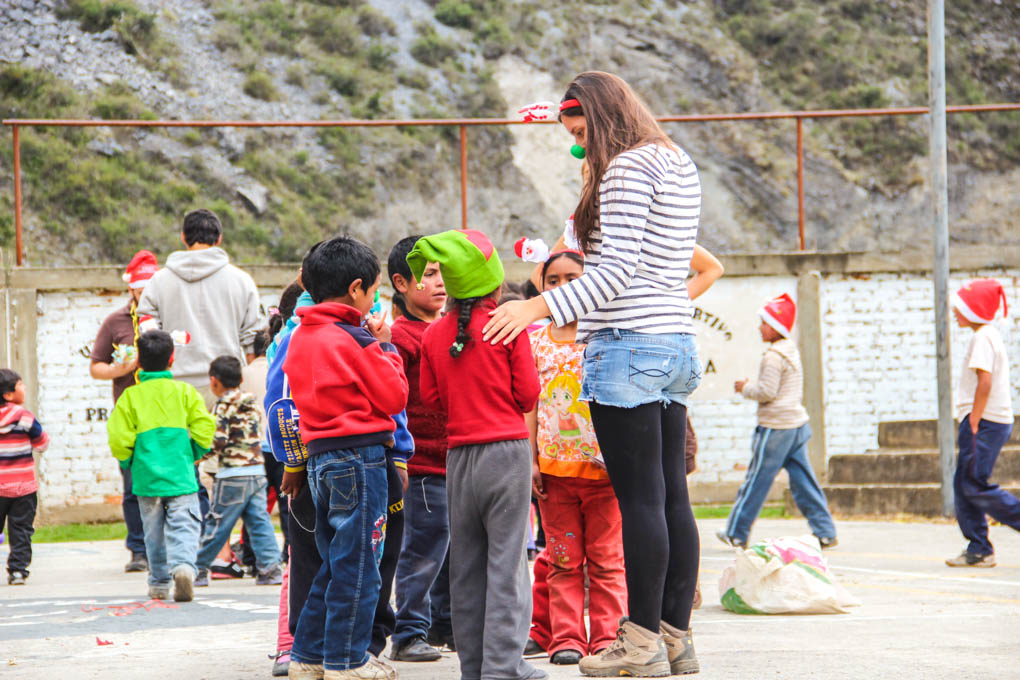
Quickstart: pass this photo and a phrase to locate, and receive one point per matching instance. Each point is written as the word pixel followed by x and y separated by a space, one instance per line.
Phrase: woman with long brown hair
pixel 637 221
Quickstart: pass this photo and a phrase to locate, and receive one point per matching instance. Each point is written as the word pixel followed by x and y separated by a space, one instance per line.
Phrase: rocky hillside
pixel 97 194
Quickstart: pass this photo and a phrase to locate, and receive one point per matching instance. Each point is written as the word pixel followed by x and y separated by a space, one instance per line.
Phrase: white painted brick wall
pixel 78 468
pixel 879 351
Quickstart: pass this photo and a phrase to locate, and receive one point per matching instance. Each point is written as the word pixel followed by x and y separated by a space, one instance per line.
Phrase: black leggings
pixel 644 452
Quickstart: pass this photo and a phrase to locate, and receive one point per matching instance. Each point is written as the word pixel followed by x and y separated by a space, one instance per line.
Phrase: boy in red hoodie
pixel 426 529
pixel 347 382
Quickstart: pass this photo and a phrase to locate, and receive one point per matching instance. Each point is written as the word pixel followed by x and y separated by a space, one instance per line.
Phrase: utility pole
pixel 940 221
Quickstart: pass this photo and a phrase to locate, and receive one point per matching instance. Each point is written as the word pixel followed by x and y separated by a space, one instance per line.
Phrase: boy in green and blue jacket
pixel 159 429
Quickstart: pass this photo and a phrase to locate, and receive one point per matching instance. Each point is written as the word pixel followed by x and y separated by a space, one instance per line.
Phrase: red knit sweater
pixel 485 391
pixel 427 425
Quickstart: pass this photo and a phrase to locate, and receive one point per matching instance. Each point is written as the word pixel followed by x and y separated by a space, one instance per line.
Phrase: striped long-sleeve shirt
pixel 779 388
pixel 20 436
pixel 635 275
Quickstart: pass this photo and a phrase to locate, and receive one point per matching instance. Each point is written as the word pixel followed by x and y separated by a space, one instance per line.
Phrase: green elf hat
pixel 467 259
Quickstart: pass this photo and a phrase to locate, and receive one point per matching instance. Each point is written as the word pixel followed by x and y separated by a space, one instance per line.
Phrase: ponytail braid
pixel 465 308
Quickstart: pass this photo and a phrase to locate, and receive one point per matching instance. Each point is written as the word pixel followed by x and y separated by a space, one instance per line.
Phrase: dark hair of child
pixel 154 351
pixel 261 342
pixel 555 256
pixel 396 263
pixel 227 370
pixel 528 289
pixel 330 268
pixel 288 301
pixel 464 309
pixel 202 226
pixel 511 291
pixel 8 382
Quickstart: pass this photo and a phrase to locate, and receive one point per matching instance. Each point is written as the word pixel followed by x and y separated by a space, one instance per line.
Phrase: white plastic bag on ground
pixel 785 575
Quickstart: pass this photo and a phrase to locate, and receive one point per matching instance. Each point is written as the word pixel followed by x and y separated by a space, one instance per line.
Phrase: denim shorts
pixel 626 368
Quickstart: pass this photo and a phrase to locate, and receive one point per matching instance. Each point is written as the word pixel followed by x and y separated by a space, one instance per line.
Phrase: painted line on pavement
pixel 846 618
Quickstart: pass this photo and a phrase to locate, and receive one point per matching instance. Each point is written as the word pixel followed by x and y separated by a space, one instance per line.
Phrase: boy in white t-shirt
pixel 985 412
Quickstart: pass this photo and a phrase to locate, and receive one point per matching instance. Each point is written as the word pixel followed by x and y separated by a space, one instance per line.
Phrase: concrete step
pixel 921 434
pixel 855 500
pixel 908 466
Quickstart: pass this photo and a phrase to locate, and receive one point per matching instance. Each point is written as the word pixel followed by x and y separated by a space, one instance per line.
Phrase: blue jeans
pixel 349 491
pixel 235 498
pixel 135 541
pixel 771 451
pixel 171 525
pixel 627 369
pixel 973 495
pixel 426 539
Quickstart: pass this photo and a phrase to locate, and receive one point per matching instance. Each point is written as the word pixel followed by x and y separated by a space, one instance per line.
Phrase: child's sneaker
pixel 680 649
pixel 184 584
pixel 281 663
pixel 730 541
pixel 17 578
pixel 273 576
pixel 202 580
pixel 375 669
pixel 139 562
pixel 636 652
pixel 965 559
pixel 305 671
pixel 159 592
pixel 828 543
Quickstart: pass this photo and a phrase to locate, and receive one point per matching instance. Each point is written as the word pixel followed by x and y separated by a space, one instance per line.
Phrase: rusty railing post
pixel 800 181
pixel 17 195
pixel 463 177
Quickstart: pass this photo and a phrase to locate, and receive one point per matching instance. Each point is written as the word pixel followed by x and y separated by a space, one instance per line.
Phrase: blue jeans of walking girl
pixel 349 491
pixel 773 450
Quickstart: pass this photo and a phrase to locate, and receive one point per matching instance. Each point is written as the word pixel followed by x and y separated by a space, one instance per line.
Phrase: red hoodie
pixel 342 382
pixel 427 425
pixel 485 391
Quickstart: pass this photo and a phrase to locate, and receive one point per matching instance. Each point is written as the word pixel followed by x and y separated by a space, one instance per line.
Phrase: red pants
pixel 582 527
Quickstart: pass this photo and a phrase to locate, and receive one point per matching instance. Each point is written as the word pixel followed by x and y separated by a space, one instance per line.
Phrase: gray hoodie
pixel 200 292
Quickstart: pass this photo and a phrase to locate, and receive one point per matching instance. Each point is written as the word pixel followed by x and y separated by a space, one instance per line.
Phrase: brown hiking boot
pixel 680 648
pixel 636 652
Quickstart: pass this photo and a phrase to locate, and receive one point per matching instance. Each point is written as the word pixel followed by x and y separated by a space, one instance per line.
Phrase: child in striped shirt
pixel 21 435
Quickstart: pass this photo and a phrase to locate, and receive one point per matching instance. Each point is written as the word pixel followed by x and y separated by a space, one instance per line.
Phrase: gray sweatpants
pixel 489 491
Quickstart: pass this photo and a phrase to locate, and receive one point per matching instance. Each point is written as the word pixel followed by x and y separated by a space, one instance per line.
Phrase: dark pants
pixel 135 541
pixel 274 476
pixel 644 452
pixel 426 542
pixel 203 499
pixel 441 610
pixel 19 514
pixel 304 555
pixel 973 494
pixel 385 620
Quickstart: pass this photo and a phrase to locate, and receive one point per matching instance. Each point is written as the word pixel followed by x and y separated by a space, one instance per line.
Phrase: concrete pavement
pixel 918 619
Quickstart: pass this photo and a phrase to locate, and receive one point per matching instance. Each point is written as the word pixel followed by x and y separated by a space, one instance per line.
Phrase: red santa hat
pixel 141 268
pixel 780 313
pixel 978 300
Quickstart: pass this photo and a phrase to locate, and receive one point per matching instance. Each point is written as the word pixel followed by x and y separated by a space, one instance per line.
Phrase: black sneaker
pixel 415 649
pixel 439 639
pixel 533 648
pixel 966 559
pixel 139 562
pixel 202 579
pixel 566 657
pixel 281 664
pixel 232 570
pixel 17 578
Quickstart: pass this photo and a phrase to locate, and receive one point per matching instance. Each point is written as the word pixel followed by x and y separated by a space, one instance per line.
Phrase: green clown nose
pixel 577 151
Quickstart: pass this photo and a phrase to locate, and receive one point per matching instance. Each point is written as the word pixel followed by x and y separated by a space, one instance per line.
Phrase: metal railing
pixel 463 123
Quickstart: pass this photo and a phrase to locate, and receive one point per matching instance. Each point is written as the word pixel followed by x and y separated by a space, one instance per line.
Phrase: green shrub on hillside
pixel 259 85
pixel 430 48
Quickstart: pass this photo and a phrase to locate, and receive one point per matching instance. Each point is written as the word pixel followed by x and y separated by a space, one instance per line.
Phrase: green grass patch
pixel 66 533
pixel 769 511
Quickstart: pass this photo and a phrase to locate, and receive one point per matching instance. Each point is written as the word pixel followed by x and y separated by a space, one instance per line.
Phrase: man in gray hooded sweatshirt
pixel 200 292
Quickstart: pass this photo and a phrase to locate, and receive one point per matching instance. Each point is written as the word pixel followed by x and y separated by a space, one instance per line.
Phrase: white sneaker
pixel 304 671
pixel 375 669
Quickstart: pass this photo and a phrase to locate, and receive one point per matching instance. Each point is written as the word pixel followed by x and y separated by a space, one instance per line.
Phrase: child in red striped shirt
pixel 21 436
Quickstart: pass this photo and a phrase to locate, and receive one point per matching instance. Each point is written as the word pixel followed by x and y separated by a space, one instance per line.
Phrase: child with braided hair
pixel 484 391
